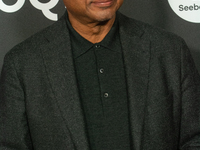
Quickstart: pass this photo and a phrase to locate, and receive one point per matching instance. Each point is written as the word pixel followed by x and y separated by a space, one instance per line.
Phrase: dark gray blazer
pixel 40 106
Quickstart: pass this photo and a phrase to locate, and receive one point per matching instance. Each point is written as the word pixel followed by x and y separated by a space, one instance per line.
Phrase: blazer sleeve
pixel 14 131
pixel 190 113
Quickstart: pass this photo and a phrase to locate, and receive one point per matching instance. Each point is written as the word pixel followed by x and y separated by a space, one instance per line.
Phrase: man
pixel 101 81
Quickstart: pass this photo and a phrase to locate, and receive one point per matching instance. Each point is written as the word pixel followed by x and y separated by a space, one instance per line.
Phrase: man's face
pixel 92 10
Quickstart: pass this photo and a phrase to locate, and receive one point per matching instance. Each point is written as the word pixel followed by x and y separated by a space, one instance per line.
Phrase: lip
pixel 102 3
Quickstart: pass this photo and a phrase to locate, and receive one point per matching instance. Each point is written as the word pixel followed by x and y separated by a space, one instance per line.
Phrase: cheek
pixel 74 5
pixel 74 8
pixel 120 2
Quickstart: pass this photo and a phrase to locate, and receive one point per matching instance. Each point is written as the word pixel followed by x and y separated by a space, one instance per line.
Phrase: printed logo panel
pixel 188 10
pixel 44 7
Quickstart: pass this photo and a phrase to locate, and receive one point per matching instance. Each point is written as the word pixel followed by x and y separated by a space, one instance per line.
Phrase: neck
pixel 92 31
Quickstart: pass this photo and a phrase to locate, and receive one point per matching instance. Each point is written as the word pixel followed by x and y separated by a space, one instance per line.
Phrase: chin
pixel 104 16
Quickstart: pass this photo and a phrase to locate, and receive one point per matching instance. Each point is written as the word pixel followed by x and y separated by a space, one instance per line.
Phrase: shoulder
pixel 158 37
pixel 32 45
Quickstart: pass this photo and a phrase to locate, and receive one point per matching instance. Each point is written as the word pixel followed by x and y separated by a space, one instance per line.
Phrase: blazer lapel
pixel 136 49
pixel 60 70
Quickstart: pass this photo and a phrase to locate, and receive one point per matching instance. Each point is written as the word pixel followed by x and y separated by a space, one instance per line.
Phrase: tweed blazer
pixel 40 107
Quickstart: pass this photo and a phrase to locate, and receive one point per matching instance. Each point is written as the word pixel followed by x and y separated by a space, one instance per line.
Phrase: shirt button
pixel 101 70
pixel 105 95
pixel 97 46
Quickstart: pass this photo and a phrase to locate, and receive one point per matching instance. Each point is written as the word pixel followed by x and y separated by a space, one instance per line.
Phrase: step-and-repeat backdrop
pixel 20 19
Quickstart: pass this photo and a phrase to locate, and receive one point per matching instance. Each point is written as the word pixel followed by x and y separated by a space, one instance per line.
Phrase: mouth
pixel 102 3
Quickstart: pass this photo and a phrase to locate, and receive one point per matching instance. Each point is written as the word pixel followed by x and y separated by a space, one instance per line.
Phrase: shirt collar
pixel 80 45
pixel 111 40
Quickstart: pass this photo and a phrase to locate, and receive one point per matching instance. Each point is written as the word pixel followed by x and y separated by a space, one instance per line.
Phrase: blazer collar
pixel 136 49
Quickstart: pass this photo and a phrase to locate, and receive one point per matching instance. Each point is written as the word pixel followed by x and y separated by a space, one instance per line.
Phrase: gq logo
pixel 188 10
pixel 44 7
